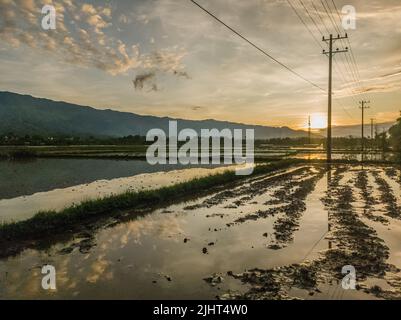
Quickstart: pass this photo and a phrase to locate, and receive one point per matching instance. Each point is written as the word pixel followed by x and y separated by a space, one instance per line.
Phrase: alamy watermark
pixel 188 147
pixel 349 17
pixel 349 280
pixel 49 278
pixel 49 20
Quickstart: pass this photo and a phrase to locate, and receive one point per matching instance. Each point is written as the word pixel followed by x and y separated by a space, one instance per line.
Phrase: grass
pixel 98 152
pixel 51 222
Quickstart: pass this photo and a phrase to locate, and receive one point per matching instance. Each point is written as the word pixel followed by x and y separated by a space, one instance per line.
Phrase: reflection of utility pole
pixel 372 120
pixel 363 107
pixel 330 54
pixel 329 194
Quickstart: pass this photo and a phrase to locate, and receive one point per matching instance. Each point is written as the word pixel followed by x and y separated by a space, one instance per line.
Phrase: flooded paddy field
pixel 53 184
pixel 30 176
pixel 283 235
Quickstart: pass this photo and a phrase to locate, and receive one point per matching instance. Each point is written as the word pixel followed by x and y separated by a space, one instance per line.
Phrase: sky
pixel 169 58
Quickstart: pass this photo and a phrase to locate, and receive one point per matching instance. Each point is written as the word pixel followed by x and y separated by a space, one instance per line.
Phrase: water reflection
pixel 24 207
pixel 160 255
pixel 40 175
pixel 378 156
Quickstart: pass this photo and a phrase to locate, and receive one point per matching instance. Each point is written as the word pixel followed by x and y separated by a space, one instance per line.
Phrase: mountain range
pixel 24 114
pixel 355 130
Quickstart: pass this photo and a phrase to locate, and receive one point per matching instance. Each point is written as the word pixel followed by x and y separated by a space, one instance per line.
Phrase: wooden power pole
pixel 372 137
pixel 372 124
pixel 330 54
pixel 363 107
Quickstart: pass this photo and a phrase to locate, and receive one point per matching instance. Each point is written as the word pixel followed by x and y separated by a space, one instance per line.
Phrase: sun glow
pixel 318 121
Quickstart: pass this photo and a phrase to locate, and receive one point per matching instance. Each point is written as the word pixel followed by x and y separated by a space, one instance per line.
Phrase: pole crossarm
pixel 334 52
pixel 332 40
pixel 335 38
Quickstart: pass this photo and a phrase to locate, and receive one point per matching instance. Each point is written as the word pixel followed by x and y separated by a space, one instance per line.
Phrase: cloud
pixel 83 41
pixel 197 108
pixel 88 9
pixel 124 19
pixel 183 74
pixel 145 80
pixel 143 18
pixel 227 73
pixel 392 74
pixel 166 60
pixel 378 88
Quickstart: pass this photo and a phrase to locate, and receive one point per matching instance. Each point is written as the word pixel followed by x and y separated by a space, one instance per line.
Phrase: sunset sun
pixel 318 121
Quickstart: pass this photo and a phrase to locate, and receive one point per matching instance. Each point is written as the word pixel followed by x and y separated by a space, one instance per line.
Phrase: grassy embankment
pixel 51 222
pixel 109 152
pixel 138 152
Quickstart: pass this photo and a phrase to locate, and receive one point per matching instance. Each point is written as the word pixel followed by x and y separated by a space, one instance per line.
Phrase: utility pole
pixel 363 107
pixel 309 131
pixel 372 120
pixel 330 54
pixel 383 143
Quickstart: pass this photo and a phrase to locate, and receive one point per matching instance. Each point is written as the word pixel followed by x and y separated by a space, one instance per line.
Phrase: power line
pixel 350 47
pixel 310 16
pixel 337 67
pixel 318 43
pixel 351 61
pixel 346 82
pixel 345 110
pixel 329 14
pixel 314 246
pixel 320 17
pixel 257 47
pixel 353 82
pixel 349 43
pixel 305 24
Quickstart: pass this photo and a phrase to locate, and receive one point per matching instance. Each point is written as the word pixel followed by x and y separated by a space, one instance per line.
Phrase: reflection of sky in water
pixel 343 156
pixel 129 257
pixel 24 207
pixel 26 177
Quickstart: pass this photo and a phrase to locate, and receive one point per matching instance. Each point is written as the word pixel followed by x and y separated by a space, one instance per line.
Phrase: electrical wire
pixel 257 47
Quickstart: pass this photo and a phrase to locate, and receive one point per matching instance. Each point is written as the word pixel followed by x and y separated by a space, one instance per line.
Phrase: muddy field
pixel 281 236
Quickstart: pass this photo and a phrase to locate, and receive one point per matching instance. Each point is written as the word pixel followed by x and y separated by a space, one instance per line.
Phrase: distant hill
pixel 355 130
pixel 24 114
